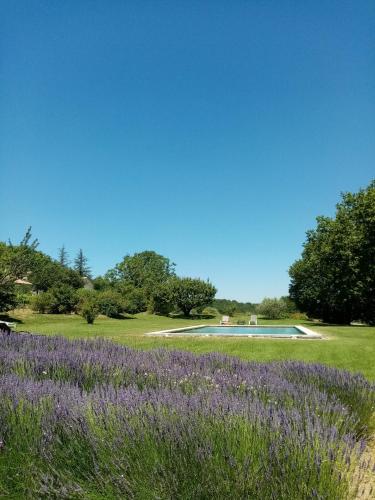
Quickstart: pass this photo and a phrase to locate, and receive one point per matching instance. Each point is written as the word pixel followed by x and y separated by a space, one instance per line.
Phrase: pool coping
pixel 179 332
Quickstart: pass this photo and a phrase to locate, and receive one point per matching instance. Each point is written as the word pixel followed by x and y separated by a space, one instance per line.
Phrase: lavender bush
pixel 93 419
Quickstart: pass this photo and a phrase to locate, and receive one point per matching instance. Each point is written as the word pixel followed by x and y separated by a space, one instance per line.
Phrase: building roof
pixel 22 282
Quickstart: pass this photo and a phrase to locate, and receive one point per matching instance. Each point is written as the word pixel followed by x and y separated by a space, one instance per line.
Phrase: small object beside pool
pixel 281 331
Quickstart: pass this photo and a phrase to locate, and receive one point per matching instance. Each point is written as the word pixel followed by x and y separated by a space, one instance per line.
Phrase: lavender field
pixel 93 419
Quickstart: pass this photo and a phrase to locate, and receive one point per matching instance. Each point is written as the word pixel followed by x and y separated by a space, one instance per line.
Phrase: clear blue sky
pixel 212 132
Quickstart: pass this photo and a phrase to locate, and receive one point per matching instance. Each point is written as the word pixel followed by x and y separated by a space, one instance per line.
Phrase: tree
pixel 80 265
pixel 15 263
pixel 145 270
pixel 335 278
pixel 44 273
pixel 225 306
pixel 26 240
pixel 63 258
pixel 16 260
pixel 272 308
pixel 190 293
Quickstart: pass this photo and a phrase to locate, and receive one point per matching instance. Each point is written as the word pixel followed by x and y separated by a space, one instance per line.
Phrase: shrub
pixel 89 309
pixel 298 315
pixel 83 294
pixel 61 299
pixel 133 299
pixel 110 303
pixel 210 311
pixel 272 308
pixel 41 303
pixel 23 298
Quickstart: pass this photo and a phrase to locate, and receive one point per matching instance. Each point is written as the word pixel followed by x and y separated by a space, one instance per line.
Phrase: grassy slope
pixel 350 347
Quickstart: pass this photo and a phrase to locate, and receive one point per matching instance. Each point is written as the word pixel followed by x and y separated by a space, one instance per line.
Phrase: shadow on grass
pixel 192 316
pixel 121 316
pixel 356 325
pixel 10 319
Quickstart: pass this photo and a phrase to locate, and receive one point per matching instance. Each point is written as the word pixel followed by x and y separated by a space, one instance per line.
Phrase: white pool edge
pixel 179 332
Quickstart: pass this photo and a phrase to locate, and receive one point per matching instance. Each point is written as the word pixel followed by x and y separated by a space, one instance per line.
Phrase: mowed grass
pixel 349 347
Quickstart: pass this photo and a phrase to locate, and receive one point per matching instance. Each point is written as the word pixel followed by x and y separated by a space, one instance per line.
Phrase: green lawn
pixel 350 347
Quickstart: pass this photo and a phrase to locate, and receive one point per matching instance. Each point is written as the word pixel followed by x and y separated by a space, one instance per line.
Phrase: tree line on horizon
pixel 145 281
pixel 334 280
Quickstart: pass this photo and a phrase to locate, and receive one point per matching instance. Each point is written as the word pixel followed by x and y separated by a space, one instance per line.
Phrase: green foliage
pixel 89 308
pixel 63 299
pixel 190 293
pixel 210 311
pixel 144 270
pixel 290 305
pixel 134 299
pixel 272 308
pixel 110 303
pixel 230 307
pixel 101 283
pixel 60 299
pixel 15 263
pixel 63 258
pixel 161 300
pixel 81 266
pixel 23 298
pixel 335 278
pixel 84 293
pixel 8 297
pixel 40 303
pixel 46 273
pixel 27 241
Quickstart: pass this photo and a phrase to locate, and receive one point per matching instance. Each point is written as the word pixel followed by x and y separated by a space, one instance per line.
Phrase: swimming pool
pixel 242 331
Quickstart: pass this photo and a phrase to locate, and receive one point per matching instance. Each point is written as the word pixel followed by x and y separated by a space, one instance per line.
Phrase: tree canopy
pixel 335 278
pixel 190 293
pixel 145 270
pixel 25 261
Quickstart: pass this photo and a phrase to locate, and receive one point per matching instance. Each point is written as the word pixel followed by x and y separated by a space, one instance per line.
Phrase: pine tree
pixel 63 258
pixel 25 242
pixel 80 264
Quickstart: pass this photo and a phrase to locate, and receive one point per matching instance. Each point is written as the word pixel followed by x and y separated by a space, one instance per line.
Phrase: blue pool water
pixel 244 330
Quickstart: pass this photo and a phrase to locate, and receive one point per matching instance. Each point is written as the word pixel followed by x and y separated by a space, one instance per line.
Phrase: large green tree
pixel 45 273
pixel 15 263
pixel 25 261
pixel 146 270
pixel 335 278
pixel 272 308
pixel 190 293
